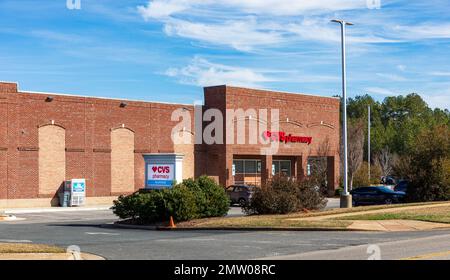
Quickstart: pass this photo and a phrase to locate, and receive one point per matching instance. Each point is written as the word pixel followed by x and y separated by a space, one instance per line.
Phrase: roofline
pixel 103 98
pixel 274 91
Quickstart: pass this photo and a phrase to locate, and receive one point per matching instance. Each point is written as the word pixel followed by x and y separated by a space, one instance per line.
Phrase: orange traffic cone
pixel 171 223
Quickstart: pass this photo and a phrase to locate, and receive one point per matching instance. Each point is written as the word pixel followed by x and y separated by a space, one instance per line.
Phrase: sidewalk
pixel 53 209
pixel 385 225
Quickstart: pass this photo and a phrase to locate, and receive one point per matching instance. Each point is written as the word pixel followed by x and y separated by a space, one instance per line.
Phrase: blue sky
pixel 167 50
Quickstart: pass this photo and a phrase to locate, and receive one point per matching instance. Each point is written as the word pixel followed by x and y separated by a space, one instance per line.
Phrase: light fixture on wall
pixel 123 105
pixel 49 99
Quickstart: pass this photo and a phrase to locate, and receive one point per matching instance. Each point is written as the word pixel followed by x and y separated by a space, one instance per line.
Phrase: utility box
pixel 64 194
pixel 78 192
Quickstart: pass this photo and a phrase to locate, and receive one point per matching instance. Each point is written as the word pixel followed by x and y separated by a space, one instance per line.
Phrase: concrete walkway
pixel 357 213
pixel 385 225
pixel 396 225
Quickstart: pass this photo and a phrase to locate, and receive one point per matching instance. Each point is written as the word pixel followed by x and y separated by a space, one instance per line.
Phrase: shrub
pixel 189 200
pixel 427 166
pixel 180 203
pixel 283 195
pixel 214 197
pixel 142 207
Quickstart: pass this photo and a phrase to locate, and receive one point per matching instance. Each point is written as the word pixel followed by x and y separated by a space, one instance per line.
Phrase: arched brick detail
pixel 122 127
pixel 122 160
pixel 52 123
pixel 52 158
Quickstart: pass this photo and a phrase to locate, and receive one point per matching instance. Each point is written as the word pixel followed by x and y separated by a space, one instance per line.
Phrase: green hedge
pixel 200 198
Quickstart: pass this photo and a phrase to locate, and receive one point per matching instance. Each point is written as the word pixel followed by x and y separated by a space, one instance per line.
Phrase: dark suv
pixel 376 195
pixel 240 194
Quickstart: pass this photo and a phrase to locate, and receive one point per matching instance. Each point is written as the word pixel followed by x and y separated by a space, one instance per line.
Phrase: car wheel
pixel 242 202
pixel 388 201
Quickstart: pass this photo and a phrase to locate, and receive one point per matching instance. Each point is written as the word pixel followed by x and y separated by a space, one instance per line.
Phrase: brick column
pixel 300 163
pixel 266 166
pixel 229 180
pixel 332 174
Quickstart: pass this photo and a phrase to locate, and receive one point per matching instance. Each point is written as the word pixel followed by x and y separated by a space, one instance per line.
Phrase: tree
pixel 429 166
pixel 355 151
pixel 385 159
pixel 319 165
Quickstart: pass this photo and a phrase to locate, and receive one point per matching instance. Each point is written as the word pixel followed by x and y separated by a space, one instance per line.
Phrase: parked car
pixel 240 194
pixel 402 186
pixel 376 195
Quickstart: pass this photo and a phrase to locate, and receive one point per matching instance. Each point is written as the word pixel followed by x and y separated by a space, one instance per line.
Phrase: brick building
pixel 114 144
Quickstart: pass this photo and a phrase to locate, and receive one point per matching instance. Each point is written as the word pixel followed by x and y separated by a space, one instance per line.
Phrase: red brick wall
pixel 314 116
pixel 88 123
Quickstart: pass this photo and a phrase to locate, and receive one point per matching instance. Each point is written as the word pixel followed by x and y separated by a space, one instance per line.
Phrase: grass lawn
pixel 273 221
pixel 285 221
pixel 9 248
pixel 435 214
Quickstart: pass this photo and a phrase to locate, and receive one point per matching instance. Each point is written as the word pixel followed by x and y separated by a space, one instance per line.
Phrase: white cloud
pixel 320 29
pixel 437 100
pixel 201 72
pixel 422 31
pixel 381 91
pixel 401 67
pixel 240 35
pixel 163 8
pixel 440 74
pixel 392 77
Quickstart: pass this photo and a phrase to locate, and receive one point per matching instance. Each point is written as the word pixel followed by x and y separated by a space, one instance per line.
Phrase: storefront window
pixel 239 166
pixel 247 171
pixel 282 167
pixel 250 166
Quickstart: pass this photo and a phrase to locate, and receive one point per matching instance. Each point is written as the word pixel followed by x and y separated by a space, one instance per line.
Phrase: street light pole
pixel 346 198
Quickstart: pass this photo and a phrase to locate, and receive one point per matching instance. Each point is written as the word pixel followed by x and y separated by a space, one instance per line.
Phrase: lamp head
pixel 342 21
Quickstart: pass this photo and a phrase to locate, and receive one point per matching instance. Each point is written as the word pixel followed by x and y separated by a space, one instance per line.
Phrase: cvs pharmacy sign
pixel 160 175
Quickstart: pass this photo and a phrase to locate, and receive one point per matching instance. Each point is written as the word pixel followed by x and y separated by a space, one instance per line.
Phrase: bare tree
pixel 385 159
pixel 320 165
pixel 355 149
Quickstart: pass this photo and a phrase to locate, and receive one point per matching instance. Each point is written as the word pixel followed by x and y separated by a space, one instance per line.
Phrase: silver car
pixel 240 194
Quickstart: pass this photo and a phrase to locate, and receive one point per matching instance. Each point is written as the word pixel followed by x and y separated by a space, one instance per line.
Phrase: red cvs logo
pixel 161 169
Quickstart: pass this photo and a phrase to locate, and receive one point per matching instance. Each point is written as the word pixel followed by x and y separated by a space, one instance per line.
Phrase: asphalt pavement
pixel 86 230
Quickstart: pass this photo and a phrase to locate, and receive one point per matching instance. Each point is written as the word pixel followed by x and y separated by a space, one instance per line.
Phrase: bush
pixel 186 201
pixel 427 167
pixel 283 195
pixel 180 203
pixel 143 207
pixel 215 200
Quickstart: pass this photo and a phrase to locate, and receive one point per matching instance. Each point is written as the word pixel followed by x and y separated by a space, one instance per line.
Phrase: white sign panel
pixel 160 175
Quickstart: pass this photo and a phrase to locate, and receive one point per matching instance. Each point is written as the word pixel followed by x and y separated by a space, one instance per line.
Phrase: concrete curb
pixel 8 218
pixel 160 228
pixel 50 256
pixel 55 209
